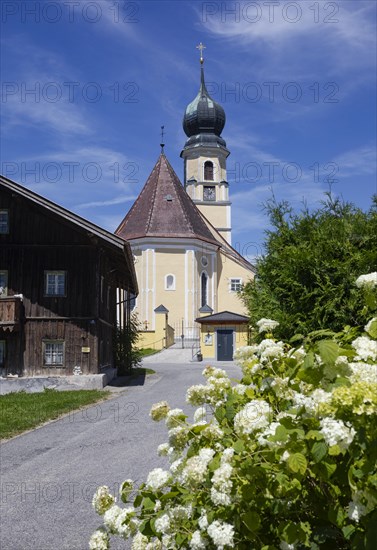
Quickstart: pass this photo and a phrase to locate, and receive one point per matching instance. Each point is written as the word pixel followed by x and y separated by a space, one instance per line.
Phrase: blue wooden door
pixel 224 345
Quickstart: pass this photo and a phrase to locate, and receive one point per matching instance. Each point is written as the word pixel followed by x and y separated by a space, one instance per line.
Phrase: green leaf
pixel 252 520
pixel 297 463
pixel 334 450
pixel 309 360
pixel 239 446
pixel 348 531
pixel 372 331
pixel 148 504
pixel 250 393
pixel 319 450
pixel 328 351
pixel 314 434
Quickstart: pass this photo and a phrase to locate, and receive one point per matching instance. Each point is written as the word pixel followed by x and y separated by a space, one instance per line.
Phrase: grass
pixel 147 351
pixel 142 371
pixel 21 411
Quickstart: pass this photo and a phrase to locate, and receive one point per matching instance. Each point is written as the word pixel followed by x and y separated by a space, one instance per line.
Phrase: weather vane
pixel 201 47
pixel 162 144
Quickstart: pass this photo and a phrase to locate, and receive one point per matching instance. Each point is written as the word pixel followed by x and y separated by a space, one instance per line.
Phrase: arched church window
pixel 204 284
pixel 208 170
pixel 170 282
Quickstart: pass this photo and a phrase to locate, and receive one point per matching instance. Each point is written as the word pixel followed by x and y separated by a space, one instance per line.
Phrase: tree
pixel 305 281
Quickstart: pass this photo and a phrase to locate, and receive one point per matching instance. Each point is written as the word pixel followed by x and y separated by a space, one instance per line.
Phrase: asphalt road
pixel 49 475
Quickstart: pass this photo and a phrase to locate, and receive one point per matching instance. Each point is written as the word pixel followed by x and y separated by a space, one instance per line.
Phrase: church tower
pixel 204 156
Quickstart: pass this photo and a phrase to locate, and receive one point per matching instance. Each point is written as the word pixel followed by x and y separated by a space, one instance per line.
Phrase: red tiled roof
pixel 164 209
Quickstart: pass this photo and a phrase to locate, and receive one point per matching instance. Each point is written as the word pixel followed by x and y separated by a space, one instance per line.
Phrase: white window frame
pixel 4 273
pixel 56 274
pixel 232 280
pixel 4 224
pixel 55 355
pixel 172 287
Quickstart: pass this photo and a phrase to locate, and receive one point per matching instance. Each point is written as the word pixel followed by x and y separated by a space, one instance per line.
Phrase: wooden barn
pixel 65 286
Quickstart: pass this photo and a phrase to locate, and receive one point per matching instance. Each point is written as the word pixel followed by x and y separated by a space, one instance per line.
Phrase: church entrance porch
pixel 221 334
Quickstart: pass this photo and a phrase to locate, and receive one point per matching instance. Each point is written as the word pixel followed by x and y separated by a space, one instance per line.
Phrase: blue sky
pixel 297 81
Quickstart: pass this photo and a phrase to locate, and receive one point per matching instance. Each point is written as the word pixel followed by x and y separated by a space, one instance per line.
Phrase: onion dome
pixel 204 119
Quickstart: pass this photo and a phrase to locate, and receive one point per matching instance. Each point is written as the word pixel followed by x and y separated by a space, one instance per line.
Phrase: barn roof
pixel 164 209
pixel 120 248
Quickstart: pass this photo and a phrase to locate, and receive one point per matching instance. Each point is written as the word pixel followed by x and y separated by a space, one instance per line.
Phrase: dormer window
pixel 208 170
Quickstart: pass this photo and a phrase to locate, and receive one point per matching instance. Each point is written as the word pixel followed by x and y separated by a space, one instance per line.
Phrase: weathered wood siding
pixel 39 241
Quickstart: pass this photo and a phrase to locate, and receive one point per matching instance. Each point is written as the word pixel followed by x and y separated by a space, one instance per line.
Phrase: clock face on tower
pixel 209 193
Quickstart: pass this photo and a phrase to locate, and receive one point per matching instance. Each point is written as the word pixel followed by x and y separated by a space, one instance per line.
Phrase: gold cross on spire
pixel 201 47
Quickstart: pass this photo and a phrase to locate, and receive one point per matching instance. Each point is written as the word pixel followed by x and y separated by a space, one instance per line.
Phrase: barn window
pixel 235 285
pixel 2 353
pixel 53 353
pixel 204 284
pixel 55 283
pixel 170 282
pixel 3 283
pixel 4 222
pixel 208 170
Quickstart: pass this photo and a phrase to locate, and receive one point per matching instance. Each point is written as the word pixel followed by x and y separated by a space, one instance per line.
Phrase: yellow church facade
pixel 180 235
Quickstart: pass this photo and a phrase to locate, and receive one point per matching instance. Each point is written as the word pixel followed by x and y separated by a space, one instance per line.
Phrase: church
pixel 180 236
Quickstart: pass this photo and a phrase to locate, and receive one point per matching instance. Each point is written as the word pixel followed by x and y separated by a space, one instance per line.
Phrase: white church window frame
pixel 235 284
pixel 170 286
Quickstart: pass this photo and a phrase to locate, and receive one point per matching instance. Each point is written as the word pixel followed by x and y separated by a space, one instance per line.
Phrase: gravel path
pixel 49 475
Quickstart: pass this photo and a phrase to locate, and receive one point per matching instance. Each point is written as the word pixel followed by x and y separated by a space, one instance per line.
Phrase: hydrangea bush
pixel 285 458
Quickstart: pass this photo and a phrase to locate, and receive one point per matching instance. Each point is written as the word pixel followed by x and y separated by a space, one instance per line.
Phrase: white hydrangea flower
pixel 213 431
pixel 174 418
pixel 240 389
pixel 110 518
pixel 102 500
pixel 357 508
pixel 197 542
pixel 267 325
pixel 203 520
pixel 125 523
pixel 162 524
pixel 336 432
pixel 163 449
pixel 139 542
pixel 197 394
pixel 369 280
pixel 159 410
pixel 195 469
pixel 176 465
pixel 363 372
pixel 284 457
pixel 100 540
pixel 200 415
pixel 220 498
pixel 365 348
pixel 252 417
pixel 262 438
pixel 269 349
pixel 157 478
pixel 222 534
pixel 227 455
pixel 178 437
